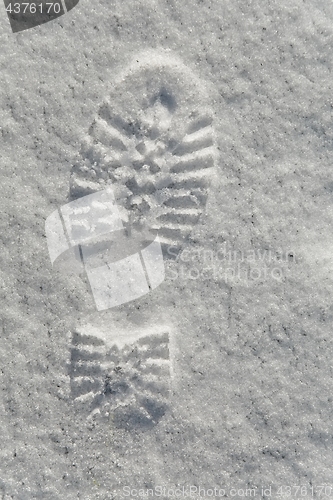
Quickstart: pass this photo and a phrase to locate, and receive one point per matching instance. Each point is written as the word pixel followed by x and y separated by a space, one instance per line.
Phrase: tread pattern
pixel 160 179
pixel 130 384
pixel 153 141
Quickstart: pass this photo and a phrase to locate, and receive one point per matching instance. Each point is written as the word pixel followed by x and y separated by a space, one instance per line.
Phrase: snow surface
pixel 251 401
